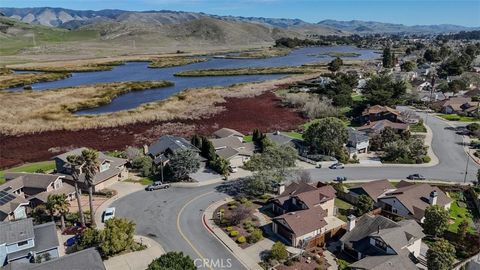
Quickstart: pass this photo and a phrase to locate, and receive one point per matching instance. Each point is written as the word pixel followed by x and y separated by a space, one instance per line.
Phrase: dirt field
pixel 244 114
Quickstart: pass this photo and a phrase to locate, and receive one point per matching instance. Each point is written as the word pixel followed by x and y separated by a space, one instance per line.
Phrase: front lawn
pixel 294 135
pixel 456 117
pixel 43 166
pixel 418 127
pixel 248 138
pixel 459 212
pixel 342 207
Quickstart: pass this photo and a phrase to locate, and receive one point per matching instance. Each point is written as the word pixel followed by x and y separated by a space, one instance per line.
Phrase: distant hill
pixel 356 26
pixel 72 19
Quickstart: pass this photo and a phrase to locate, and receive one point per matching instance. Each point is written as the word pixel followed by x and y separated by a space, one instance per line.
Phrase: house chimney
pixel 281 189
pixel 433 198
pixel 145 149
pixel 351 222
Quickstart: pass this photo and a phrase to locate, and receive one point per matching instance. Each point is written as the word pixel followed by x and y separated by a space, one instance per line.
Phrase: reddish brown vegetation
pixel 243 114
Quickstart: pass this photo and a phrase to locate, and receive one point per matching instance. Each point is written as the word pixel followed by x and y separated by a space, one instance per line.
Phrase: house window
pixel 380 244
pixel 23 243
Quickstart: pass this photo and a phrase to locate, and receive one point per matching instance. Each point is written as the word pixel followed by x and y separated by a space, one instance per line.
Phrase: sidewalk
pixel 138 260
pixel 237 251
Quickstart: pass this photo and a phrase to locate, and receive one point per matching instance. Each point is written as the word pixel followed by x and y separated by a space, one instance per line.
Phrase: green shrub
pixel 232 203
pixel 234 233
pixel 250 229
pixel 426 159
pixel 241 239
pixel 255 236
pixel 264 197
pixel 232 207
pixel 243 200
pixel 229 228
pixel 222 210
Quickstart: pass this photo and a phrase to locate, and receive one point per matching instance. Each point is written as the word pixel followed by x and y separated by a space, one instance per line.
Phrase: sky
pixel 408 12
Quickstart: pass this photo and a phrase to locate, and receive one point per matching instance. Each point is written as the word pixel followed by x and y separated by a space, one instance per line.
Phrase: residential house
pixel 377 127
pixel 378 112
pixel 21 241
pixel 425 86
pixel 380 243
pixel 228 132
pixel 305 214
pixel 84 259
pixel 409 117
pixel 457 105
pixel 36 187
pixel 358 142
pixel 410 200
pixel 424 69
pixel 111 170
pixel 12 206
pixel 372 189
pixel 233 150
pixel 167 145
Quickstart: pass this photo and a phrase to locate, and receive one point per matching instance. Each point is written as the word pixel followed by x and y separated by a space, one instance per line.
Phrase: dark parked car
pixel 340 179
pixel 416 176
pixel 157 185
pixel 72 240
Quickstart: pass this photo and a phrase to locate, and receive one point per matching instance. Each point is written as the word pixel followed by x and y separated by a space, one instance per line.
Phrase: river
pixel 138 71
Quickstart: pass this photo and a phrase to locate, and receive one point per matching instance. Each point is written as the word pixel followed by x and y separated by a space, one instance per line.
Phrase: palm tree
pixel 76 163
pixel 90 168
pixel 58 203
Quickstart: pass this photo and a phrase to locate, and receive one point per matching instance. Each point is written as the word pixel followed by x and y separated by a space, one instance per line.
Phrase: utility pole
pixel 466 169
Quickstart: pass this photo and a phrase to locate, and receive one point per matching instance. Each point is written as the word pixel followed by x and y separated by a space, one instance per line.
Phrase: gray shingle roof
pixel 169 142
pixel 366 225
pixel 385 262
pixel 45 239
pixel 16 231
pixel 355 137
pixel 373 188
pixel 227 132
pixel 227 153
pixel 279 138
pixel 87 259
pixel 32 180
pixel 232 142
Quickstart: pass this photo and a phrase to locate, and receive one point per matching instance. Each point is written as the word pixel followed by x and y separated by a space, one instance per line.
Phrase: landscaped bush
pixel 255 236
pixel 229 228
pixel 232 203
pixel 426 159
pixel 241 239
pixel 234 233
pixel 232 207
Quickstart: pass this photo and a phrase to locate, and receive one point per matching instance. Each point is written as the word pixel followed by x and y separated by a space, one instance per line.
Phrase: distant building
pixel 112 170
pixel 378 112
pixel 377 127
pixel 22 242
pixel 358 142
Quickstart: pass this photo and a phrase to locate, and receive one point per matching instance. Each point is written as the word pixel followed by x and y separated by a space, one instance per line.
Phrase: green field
pixel 342 207
pixel 419 127
pixel 456 117
pixel 44 166
pixel 459 212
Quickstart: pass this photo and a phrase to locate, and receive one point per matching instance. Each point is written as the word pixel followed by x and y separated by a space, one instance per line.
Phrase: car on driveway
pixel 109 213
pixel 157 185
pixel 72 240
pixel 337 166
pixel 416 176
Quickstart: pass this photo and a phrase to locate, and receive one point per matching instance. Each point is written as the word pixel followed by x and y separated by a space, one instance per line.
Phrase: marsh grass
pixel 22 79
pixel 246 71
pixel 37 111
pixel 174 61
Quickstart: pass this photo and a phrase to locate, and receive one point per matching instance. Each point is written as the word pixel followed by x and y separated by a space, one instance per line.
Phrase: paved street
pixel 173 217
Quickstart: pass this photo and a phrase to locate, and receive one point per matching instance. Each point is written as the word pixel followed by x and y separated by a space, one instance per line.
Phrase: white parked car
pixel 109 213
